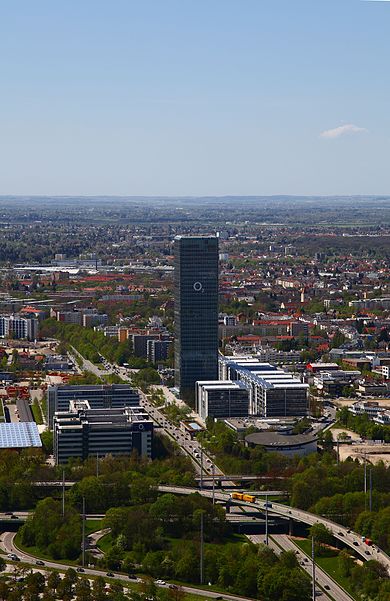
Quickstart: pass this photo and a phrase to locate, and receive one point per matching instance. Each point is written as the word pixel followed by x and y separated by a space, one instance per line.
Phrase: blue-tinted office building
pixel 196 312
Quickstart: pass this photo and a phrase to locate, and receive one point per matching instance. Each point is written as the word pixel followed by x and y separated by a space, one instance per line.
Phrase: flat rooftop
pixel 19 435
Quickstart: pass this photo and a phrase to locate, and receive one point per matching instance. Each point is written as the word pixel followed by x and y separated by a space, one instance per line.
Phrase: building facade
pixel 272 392
pixel 196 312
pixel 82 432
pixel 99 396
pixel 18 327
pixel 221 399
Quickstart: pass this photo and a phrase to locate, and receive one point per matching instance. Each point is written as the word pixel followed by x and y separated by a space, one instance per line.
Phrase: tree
pixel 321 534
pixel 53 580
pixel 176 594
pixel 99 589
pixel 83 590
pixel 3 564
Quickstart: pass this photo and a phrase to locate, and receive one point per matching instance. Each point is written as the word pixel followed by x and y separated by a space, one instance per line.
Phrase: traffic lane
pixel 24 411
pixel 340 532
pixel 178 436
pixel 7 540
pixel 322 577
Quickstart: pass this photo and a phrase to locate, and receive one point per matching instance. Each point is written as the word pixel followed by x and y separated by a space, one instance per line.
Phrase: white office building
pixel 214 398
pixel 272 392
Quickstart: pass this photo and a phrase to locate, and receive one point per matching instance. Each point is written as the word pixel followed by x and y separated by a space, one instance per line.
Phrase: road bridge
pixel 345 535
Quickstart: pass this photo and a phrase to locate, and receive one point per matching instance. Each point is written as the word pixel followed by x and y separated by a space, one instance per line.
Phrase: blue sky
pixel 194 97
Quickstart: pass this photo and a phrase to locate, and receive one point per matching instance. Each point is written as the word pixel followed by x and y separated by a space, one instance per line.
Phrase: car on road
pixel 161 582
pixel 39 562
pixel 327 587
pixel 13 557
pixel 355 543
pixel 80 570
pixel 110 575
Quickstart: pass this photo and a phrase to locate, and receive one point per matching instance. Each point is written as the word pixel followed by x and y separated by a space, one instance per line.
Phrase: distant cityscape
pixel 225 360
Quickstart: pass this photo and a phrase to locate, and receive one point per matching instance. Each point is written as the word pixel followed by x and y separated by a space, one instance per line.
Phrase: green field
pixel 37 413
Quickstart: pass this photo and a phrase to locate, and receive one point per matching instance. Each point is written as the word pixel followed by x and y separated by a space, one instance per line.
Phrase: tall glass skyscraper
pixel 196 312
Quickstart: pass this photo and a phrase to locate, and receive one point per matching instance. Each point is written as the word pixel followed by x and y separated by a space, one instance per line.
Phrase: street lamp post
pixel 313 569
pixel 83 535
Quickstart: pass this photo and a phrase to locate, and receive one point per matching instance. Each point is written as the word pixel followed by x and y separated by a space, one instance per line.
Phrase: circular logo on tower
pixel 198 286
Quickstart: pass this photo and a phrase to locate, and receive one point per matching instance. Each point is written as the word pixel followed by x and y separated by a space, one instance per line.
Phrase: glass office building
pixel 196 312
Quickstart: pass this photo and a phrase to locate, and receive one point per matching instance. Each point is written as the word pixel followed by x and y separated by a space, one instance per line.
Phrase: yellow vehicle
pixel 237 495
pixel 243 497
pixel 248 498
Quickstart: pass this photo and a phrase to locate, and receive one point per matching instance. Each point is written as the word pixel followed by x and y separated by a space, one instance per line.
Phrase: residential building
pixel 157 350
pixel 18 327
pixel 82 432
pixel 196 312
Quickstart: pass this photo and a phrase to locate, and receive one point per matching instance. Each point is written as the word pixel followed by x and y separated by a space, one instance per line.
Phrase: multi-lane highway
pixel 347 536
pixel 7 543
pixel 331 590
pixel 189 446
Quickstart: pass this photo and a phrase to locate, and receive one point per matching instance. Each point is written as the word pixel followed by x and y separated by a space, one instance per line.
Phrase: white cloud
pixel 342 130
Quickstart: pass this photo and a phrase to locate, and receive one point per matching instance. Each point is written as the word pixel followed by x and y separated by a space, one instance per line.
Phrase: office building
pixel 196 312
pixel 272 392
pixel 82 432
pixel 221 399
pixel 99 396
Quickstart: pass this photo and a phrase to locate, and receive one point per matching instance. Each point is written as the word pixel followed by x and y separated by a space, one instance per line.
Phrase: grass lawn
pixel 37 413
pixel 93 526
pixel 105 543
pixel 328 563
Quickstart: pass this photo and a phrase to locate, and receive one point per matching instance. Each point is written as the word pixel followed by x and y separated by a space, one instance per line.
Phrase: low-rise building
pixel 370 408
pixel 287 444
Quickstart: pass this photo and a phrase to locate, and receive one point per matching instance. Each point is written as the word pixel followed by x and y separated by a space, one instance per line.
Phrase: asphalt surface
pixel 324 580
pixel 7 543
pixel 24 411
pixel 347 536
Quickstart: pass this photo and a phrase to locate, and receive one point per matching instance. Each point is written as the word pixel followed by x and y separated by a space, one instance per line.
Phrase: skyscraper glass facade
pixel 196 312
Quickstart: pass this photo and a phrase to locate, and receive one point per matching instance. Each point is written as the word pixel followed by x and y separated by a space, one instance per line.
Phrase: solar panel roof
pixel 19 435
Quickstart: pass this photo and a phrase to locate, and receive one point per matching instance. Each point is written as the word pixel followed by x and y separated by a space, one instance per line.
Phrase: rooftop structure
pixel 82 432
pixel 294 444
pixel 19 435
pixel 100 396
pixel 272 392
